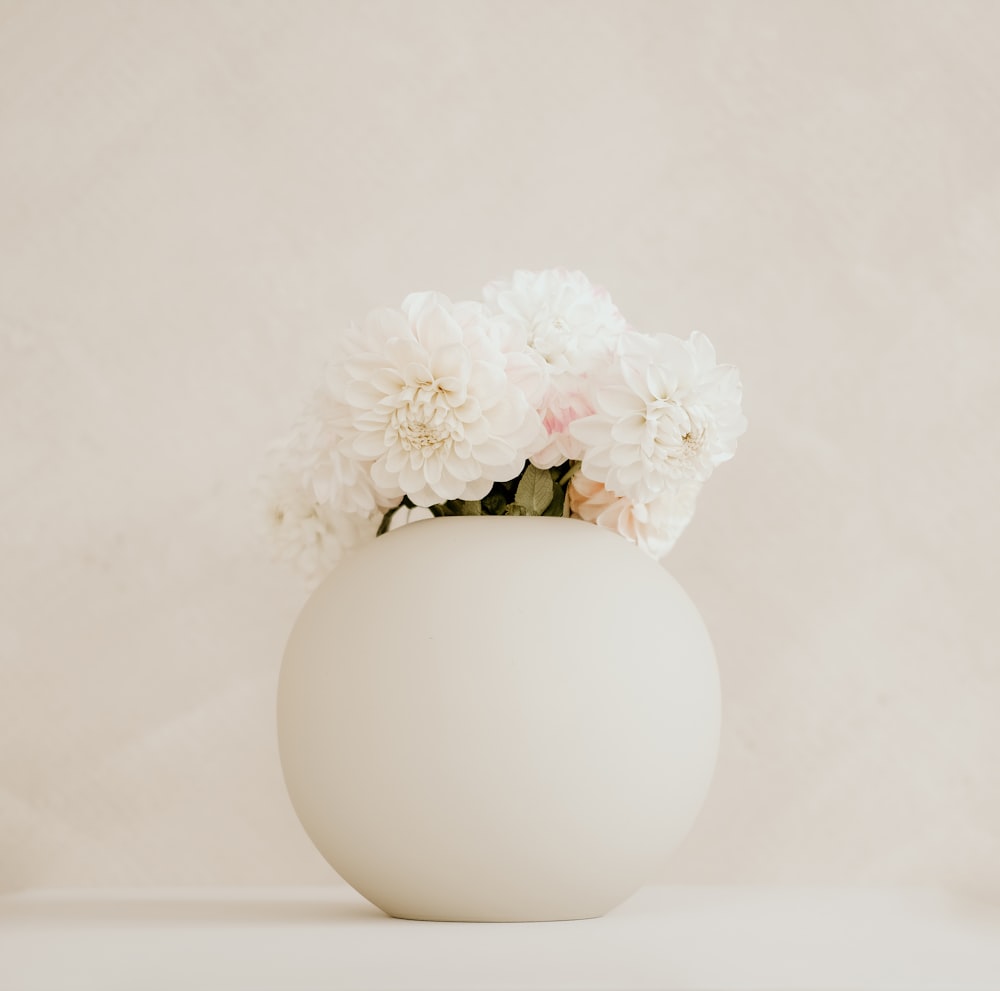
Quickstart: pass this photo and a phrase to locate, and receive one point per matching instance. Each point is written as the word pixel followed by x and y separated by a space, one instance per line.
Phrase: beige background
pixel 194 199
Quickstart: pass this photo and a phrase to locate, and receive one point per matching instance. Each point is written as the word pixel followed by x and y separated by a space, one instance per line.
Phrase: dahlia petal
pixel 416 373
pixel 618 401
pixel 450 361
pixel 630 431
pixel 368 445
pixel 362 394
pixel 476 488
pixel 386 381
pixel 417 305
pixel 453 390
pixel 423 495
pixel 477 431
pixel 635 380
pixel 661 381
pixel 437 328
pixel 469 410
pixel 628 475
pixel 412 478
pixel 494 452
pixel 461 448
pixel 486 380
pixel 702 349
pixel 403 352
pixel 385 323
pixel 598 459
pixel 590 430
pixel 432 470
pixel 385 481
pixel 625 455
pixel 465 470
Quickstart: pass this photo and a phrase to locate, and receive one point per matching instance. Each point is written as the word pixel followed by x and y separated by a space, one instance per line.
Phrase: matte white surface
pixel 457 755
pixel 665 938
pixel 196 195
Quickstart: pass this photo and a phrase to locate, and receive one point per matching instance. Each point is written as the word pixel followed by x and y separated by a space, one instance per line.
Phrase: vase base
pixel 480 919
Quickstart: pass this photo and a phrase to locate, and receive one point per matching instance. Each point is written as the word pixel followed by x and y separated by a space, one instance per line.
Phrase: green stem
pixel 574 467
pixel 383 527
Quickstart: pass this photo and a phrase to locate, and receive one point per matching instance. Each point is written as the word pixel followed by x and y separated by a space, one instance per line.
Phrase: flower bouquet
pixel 478 751
pixel 538 400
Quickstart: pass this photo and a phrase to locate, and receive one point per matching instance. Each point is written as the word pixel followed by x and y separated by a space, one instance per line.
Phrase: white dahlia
pixel 405 515
pixel 570 329
pixel 318 503
pixel 654 526
pixel 664 413
pixel 431 405
pixel 313 536
pixel 311 456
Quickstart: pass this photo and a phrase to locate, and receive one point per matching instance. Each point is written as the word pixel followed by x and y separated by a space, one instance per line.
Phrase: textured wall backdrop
pixel 195 197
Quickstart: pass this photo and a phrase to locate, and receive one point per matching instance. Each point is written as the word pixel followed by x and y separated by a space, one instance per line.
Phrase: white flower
pixel 570 329
pixel 319 503
pixel 665 413
pixel 559 411
pixel 431 404
pixel 405 515
pixel 312 453
pixel 314 536
pixel 654 526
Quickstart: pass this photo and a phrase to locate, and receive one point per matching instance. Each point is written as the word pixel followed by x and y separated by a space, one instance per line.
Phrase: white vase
pixel 498 719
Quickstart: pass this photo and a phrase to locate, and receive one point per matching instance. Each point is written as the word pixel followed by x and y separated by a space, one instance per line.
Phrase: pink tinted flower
pixel 654 526
pixel 570 329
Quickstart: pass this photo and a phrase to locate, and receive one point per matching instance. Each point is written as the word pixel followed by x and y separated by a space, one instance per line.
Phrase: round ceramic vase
pixel 498 719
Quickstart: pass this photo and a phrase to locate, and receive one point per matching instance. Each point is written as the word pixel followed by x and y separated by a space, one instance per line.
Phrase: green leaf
pixel 555 508
pixel 513 509
pixel 534 491
pixel 495 504
pixel 469 507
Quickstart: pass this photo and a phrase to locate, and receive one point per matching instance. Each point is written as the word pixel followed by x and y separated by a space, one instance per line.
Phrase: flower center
pixel 415 435
pixel 423 423
pixel 549 336
pixel 692 441
pixel 672 437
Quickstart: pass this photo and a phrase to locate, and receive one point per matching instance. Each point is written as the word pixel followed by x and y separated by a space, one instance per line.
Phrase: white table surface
pixel 693 938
